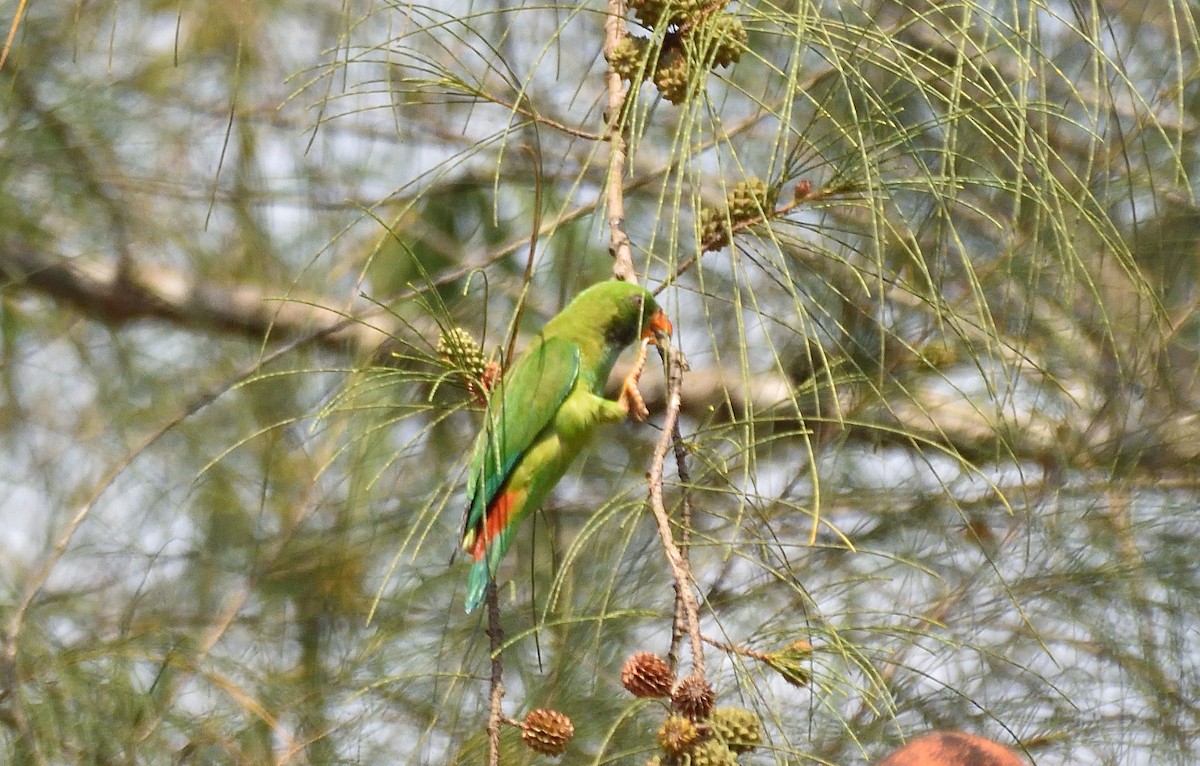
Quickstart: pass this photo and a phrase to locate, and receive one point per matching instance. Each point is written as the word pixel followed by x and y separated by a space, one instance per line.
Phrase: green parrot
pixel 546 406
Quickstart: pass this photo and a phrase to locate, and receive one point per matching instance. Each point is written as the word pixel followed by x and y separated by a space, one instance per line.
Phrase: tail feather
pixel 488 545
pixel 483 569
pixel 477 584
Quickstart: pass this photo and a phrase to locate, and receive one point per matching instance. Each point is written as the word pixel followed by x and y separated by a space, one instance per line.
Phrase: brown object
pixel 547 731
pixel 645 674
pixel 694 697
pixel 953 748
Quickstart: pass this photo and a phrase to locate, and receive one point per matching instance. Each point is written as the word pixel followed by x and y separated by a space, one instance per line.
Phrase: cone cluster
pixel 748 200
pixel 716 741
pixel 690 37
pixel 695 733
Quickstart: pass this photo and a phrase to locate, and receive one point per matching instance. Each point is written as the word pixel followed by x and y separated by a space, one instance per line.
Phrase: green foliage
pixel 932 265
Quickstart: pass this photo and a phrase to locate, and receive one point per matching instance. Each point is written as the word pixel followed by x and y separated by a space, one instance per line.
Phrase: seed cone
pixel 677 735
pixel 547 731
pixel 738 728
pixel 672 75
pixel 627 55
pixel 751 199
pixel 459 349
pixel 712 752
pixel 714 233
pixel 650 12
pixel 721 38
pixel 693 697
pixel 645 674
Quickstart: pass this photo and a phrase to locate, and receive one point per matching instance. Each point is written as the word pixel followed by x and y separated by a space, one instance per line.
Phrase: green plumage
pixel 541 414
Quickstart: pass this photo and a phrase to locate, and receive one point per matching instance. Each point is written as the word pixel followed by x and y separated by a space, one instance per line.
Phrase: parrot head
pixel 623 313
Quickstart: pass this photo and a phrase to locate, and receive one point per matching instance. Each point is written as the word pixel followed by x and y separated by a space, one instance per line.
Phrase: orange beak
pixel 659 327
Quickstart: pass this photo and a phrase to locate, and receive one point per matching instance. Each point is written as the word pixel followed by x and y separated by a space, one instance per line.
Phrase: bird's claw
pixel 632 399
pixel 631 396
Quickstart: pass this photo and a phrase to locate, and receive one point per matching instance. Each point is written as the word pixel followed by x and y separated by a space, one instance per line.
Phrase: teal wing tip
pixel 482 570
pixel 477 585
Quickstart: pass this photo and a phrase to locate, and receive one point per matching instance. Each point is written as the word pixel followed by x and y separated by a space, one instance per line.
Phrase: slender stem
pixel 745 651
pixel 678 629
pixel 684 594
pixel 618 243
pixel 527 111
pixel 678 626
pixel 495 714
pixel 12 31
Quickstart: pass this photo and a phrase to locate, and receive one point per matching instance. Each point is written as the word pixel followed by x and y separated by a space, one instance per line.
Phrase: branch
pixel 684 595
pixel 618 246
pixel 117 296
pixel 926 413
pixel 495 632
pixel 685 537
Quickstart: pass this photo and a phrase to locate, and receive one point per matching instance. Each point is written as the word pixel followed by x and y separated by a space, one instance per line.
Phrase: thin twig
pixel 684 594
pixel 744 651
pixel 12 31
pixel 536 159
pixel 525 111
pixel 496 636
pixel 678 627
pixel 618 244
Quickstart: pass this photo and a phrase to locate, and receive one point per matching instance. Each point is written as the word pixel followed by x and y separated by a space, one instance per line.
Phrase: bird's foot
pixel 631 396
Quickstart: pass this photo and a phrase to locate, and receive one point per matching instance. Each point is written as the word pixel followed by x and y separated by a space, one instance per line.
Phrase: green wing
pixel 524 403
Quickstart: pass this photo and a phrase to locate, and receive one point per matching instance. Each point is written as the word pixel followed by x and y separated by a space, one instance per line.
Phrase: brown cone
pixel 547 731
pixel 693 697
pixel 645 674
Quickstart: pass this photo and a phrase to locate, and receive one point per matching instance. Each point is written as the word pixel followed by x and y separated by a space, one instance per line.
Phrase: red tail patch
pixel 494 520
